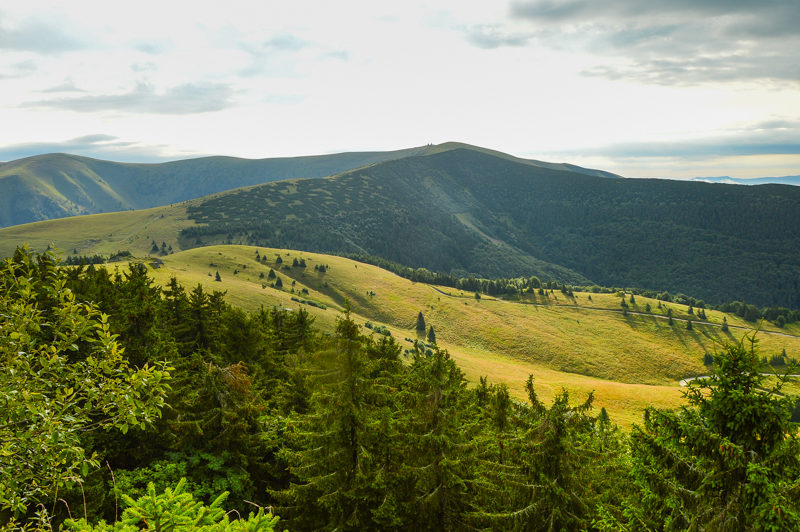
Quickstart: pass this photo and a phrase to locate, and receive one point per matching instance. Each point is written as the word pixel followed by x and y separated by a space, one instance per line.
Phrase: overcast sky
pixel 654 88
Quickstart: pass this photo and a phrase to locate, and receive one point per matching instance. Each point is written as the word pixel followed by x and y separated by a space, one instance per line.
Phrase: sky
pixel 642 88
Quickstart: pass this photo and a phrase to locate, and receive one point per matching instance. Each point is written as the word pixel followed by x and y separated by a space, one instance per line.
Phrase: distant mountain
pixel 60 185
pixel 785 180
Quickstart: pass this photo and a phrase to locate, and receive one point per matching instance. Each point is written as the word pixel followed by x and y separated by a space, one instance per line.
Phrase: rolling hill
pixel 60 185
pixel 465 212
pixel 631 361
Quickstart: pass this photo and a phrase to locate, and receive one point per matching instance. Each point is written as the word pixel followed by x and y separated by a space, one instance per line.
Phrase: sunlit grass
pixel 630 361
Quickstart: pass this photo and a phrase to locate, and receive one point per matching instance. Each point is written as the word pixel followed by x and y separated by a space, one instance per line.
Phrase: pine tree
pixel 420 323
pixel 439 460
pixel 338 450
pixel 217 277
pixel 730 460
pixel 431 335
pixel 724 324
pixel 689 325
pixel 548 480
pixel 278 283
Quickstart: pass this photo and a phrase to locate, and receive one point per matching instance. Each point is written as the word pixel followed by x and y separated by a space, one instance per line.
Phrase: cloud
pixel 154 47
pixel 679 42
pixel 273 57
pixel 144 67
pixel 190 98
pixel 771 137
pixel 35 36
pixel 341 55
pixel 99 146
pixel 67 86
pixel 21 70
pixel 489 36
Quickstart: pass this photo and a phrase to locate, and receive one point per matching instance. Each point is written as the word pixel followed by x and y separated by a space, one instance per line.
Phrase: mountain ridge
pixel 59 185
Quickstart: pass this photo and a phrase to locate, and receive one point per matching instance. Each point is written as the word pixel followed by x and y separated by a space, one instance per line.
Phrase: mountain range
pixel 783 180
pixel 58 185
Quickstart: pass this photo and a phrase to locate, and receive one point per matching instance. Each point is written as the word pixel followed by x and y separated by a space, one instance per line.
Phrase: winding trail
pixel 633 313
pixel 685 382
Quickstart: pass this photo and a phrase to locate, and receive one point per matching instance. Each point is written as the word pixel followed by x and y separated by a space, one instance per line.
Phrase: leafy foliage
pixel 62 374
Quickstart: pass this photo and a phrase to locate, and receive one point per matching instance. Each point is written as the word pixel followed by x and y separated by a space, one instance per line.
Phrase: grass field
pixel 630 361
pixel 101 233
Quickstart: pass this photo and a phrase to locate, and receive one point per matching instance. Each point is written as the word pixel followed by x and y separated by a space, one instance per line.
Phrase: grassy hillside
pixel 629 360
pixel 60 185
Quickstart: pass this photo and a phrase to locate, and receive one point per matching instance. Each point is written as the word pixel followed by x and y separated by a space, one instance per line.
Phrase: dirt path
pixel 634 313
pixel 685 382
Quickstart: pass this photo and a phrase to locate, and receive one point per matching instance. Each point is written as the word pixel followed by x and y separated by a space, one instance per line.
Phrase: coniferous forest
pixel 128 406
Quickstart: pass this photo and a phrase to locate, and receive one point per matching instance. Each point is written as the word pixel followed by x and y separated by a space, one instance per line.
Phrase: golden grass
pixel 101 233
pixel 629 361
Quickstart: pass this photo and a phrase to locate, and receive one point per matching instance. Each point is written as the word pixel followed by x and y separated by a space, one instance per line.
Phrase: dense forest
pixel 467 213
pixel 118 398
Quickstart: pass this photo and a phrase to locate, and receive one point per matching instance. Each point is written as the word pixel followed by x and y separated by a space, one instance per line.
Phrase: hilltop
pixel 60 185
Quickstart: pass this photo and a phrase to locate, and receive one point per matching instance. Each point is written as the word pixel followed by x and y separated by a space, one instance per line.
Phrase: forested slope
pixel 466 212
pixel 58 185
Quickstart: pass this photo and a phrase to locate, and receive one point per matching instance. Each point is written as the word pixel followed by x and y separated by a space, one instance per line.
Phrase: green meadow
pixel 629 360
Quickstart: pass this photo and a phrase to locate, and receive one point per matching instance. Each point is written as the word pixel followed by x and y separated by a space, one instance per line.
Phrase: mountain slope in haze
pixel 60 185
pixel 465 212
pixel 784 180
pixel 449 146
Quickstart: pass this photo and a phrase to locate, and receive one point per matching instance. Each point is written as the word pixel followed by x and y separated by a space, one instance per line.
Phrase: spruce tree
pixel 547 482
pixel 420 323
pixel 431 335
pixel 440 460
pixel 730 460
pixel 338 450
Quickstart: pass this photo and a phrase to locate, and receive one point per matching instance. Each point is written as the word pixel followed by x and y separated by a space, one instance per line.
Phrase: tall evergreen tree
pixel 431 335
pixel 440 459
pixel 729 461
pixel 332 448
pixel 548 482
pixel 421 323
